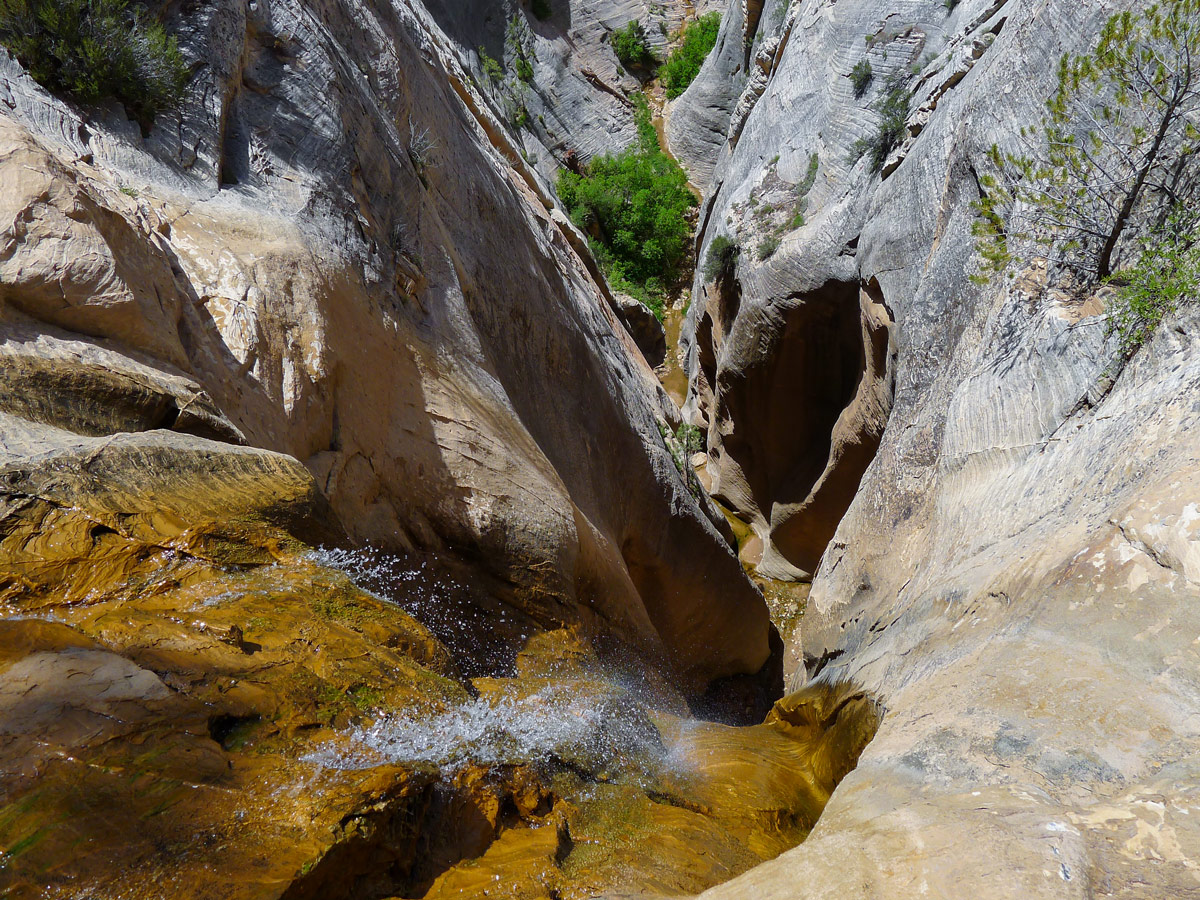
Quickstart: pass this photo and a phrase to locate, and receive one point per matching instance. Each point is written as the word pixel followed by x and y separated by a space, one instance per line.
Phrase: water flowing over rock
pixel 279 265
pixel 349 545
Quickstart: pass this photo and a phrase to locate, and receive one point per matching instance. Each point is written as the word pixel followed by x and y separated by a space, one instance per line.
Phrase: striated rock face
pixel 1013 575
pixel 336 251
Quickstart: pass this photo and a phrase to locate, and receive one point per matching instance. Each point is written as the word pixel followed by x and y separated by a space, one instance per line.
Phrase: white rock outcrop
pixel 1013 576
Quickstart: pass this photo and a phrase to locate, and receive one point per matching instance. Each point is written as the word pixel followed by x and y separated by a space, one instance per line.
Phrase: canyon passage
pixel 599 448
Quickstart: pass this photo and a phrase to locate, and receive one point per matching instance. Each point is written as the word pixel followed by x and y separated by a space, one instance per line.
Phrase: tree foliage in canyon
pixel 633 206
pixel 683 65
pixel 1165 276
pixel 1115 156
pixel 93 50
pixel 893 108
pixel 631 46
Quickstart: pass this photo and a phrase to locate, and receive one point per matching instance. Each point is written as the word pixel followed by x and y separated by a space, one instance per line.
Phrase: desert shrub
pixel 629 43
pixel 93 50
pixel 860 76
pixel 1165 276
pixel 687 441
pixel 683 65
pixel 633 206
pixel 490 65
pixel 518 44
pixel 892 108
pixel 802 190
pixel 768 246
pixel 722 257
pixel 690 439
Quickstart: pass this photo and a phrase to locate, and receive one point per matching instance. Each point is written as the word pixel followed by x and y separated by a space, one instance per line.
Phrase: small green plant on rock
pixel 861 76
pixel 686 442
pixel 802 191
pixel 492 69
pixel 768 246
pixel 518 44
pixel 683 65
pixel 1165 276
pixel 94 50
pixel 690 439
pixel 893 108
pixel 722 258
pixel 631 47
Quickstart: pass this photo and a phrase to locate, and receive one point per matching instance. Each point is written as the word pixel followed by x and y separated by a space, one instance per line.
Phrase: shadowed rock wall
pixel 336 251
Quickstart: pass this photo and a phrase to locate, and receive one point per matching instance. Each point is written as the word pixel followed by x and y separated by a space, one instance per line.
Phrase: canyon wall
pixel 337 250
pixel 331 299
pixel 998 519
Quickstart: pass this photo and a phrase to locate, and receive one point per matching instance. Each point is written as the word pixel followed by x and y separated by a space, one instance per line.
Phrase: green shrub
pixel 1166 275
pixel 524 69
pixel 690 439
pixel 810 176
pixel 633 206
pixel 683 65
pixel 687 441
pixel 518 43
pixel 893 117
pixel 721 259
pixel 860 76
pixel 629 43
pixel 541 9
pixel 95 50
pixel 642 118
pixel 767 248
pixel 490 65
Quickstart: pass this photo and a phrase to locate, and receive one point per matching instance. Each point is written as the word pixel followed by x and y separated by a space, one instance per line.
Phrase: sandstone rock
pixel 270 250
pixel 646 330
pixel 84 386
pixel 1010 579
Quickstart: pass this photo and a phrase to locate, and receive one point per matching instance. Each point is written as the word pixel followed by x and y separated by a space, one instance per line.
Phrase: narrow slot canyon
pixel 795 417
pixel 599 450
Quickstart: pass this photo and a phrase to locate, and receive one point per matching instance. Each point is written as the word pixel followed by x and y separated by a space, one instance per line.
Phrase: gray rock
pixel 646 330
pixel 1013 577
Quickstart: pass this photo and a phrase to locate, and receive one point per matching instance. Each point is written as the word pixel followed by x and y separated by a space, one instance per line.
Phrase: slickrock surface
pixel 1014 576
pixel 336 251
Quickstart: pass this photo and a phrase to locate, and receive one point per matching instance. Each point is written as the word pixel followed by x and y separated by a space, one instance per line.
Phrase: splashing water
pixel 374 571
pixel 599 725
pixel 560 723
pixel 468 622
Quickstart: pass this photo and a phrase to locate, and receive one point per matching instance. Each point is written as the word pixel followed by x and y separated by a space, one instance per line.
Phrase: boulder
pixel 645 329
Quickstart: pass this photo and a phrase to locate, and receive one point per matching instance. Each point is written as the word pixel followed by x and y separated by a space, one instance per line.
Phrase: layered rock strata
pixel 1012 576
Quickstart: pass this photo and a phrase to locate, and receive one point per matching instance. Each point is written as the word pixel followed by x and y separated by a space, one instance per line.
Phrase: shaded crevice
pixel 744 699
pixel 802 534
pixel 800 416
pixel 234 166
